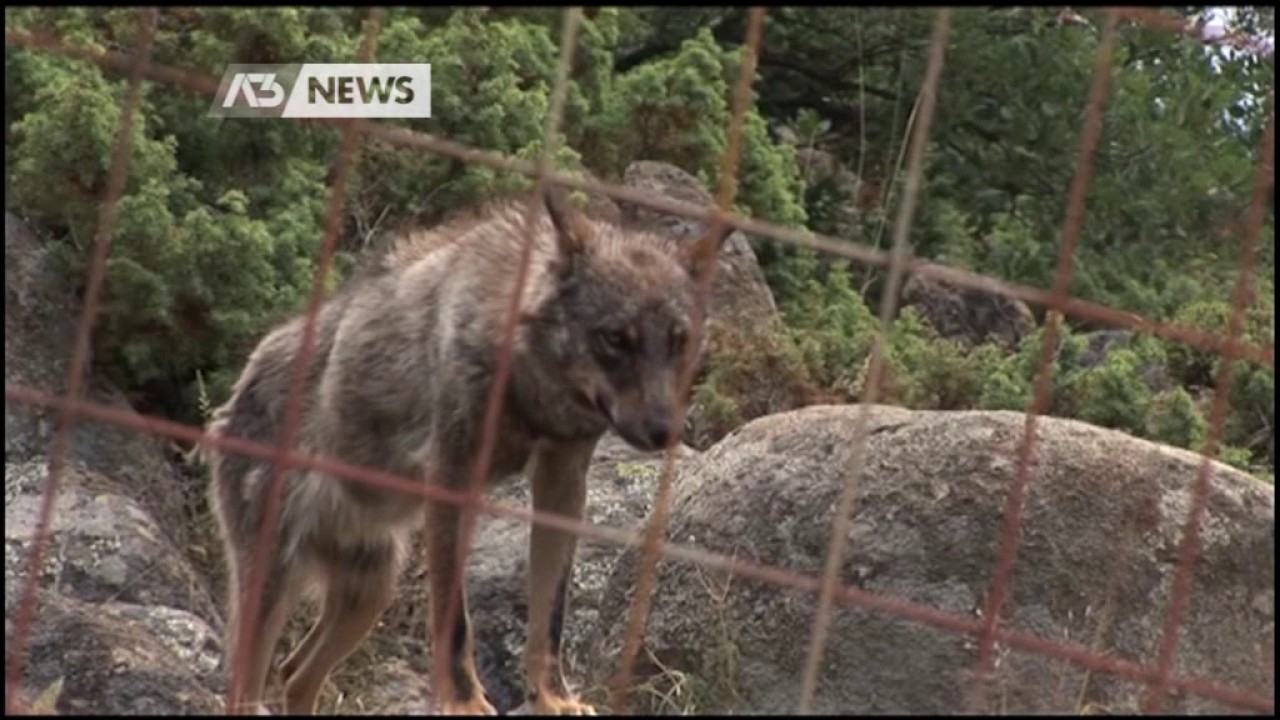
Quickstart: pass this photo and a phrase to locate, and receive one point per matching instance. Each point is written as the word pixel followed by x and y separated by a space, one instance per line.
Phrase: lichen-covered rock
pixel 116 658
pixel 1104 518
pixel 103 545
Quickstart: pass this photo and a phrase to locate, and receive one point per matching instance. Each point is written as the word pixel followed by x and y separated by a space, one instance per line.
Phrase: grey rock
pixel 1102 525
pixel 116 659
pixel 103 545
pixel 967 315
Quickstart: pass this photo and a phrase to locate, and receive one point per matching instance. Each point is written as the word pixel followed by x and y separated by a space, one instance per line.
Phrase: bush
pixel 1175 420
pixel 749 374
pixel 831 328
pixel 1250 422
pixel 1114 393
pixel 931 373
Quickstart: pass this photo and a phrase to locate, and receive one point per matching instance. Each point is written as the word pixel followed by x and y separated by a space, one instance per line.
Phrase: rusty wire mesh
pixel 1159 677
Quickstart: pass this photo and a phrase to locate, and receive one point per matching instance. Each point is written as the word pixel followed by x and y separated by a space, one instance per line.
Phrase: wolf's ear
pixel 697 255
pixel 573 232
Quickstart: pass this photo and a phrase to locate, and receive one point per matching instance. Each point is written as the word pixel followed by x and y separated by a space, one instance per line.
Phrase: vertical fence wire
pixel 707 250
pixel 298 390
pixel 1240 301
pixel 117 175
pixel 919 142
pixel 1016 499
pixel 502 373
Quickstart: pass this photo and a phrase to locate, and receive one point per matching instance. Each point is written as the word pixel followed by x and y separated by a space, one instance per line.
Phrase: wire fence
pixel 1159 677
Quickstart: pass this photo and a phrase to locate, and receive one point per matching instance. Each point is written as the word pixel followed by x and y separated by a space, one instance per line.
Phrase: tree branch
pixel 772 58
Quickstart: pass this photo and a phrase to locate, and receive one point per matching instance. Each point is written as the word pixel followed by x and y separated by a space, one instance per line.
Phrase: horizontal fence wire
pixel 846 595
pixel 1263 354
pixel 1159 677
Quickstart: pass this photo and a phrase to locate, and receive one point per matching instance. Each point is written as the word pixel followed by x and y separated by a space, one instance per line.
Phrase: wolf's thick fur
pixel 404 359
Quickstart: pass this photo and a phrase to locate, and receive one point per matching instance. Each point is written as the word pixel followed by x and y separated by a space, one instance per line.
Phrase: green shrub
pixel 750 373
pixel 932 373
pixel 1114 394
pixel 832 328
pixel 1175 420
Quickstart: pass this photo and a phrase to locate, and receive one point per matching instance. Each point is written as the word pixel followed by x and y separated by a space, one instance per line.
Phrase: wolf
pixel 404 359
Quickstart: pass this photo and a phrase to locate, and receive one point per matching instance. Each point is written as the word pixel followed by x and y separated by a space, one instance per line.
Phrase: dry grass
pixel 661 689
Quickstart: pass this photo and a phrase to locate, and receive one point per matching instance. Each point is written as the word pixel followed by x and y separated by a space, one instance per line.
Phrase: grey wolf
pixel 404 359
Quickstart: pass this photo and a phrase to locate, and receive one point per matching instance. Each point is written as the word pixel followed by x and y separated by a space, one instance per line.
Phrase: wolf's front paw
pixel 552 704
pixel 475 706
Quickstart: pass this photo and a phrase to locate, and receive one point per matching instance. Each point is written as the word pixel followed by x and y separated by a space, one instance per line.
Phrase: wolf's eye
pixel 613 340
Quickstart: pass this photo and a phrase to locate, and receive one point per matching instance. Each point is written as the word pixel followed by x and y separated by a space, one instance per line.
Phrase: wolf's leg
pixel 280 595
pixel 290 666
pixel 455 682
pixel 360 587
pixel 559 487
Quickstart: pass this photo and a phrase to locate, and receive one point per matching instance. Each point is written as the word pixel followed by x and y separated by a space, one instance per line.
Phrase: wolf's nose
pixel 658 427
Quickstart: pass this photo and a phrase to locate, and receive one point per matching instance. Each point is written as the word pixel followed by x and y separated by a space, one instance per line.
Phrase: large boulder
pixel 968 315
pixel 1100 534
pixel 122 624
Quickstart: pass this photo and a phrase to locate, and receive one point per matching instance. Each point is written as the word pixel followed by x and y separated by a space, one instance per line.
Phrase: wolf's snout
pixel 645 429
pixel 657 427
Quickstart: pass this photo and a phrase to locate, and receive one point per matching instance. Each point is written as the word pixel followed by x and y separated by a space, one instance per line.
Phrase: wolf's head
pixel 617 326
